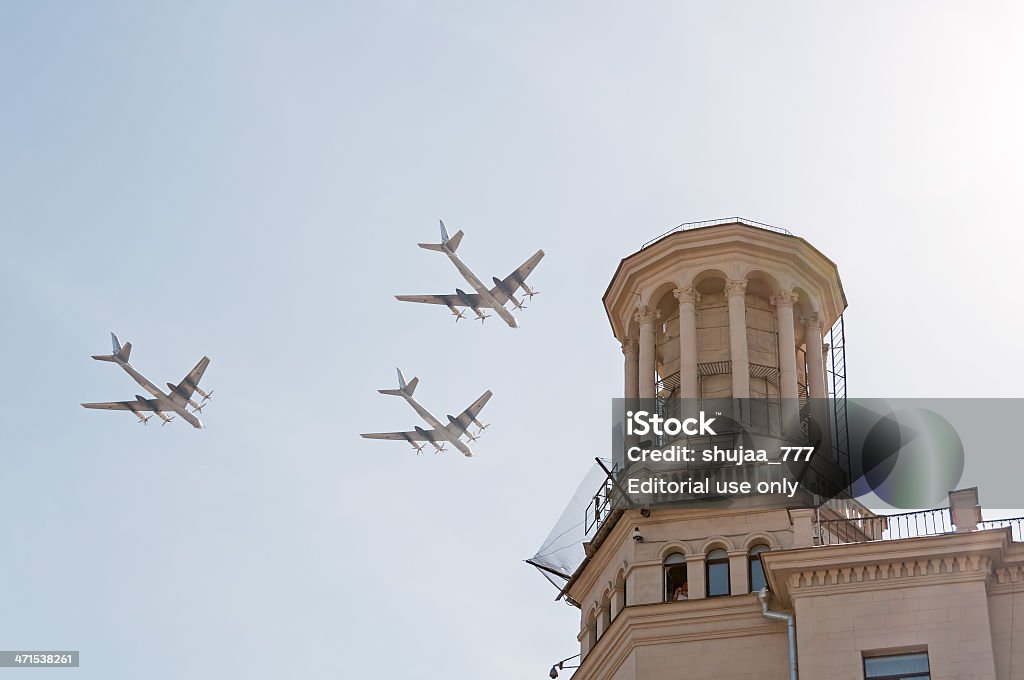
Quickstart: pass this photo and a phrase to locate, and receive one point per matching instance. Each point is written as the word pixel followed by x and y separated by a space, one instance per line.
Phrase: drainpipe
pixel 762 595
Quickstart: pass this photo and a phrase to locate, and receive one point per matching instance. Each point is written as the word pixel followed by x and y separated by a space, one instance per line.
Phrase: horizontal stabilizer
pixel 119 352
pixel 454 241
pixel 405 389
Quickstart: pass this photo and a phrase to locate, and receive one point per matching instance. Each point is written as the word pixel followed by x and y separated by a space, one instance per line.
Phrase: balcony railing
pixel 1016 525
pixel 712 223
pixel 883 527
pixel 904 525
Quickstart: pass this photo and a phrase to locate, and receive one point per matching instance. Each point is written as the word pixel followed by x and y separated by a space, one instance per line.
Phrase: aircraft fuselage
pixel 436 424
pixel 164 399
pixel 481 289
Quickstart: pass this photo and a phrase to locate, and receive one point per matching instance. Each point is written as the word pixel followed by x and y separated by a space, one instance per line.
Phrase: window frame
pixel 756 557
pixel 920 675
pixel 717 561
pixel 666 566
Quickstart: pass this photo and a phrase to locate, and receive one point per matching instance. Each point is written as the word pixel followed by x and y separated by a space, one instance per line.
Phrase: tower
pixel 727 308
pixel 724 311
pixel 742 314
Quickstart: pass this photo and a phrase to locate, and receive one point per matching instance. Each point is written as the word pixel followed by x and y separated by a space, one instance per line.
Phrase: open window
pixel 718 573
pixel 757 578
pixel 676 585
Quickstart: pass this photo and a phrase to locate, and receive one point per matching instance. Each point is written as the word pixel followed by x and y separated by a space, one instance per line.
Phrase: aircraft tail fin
pixel 120 352
pixel 452 242
pixel 404 389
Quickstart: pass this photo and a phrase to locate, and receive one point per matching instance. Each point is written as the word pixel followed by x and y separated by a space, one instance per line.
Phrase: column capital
pixel 735 287
pixel 646 314
pixel 687 294
pixel 812 321
pixel 784 298
pixel 630 347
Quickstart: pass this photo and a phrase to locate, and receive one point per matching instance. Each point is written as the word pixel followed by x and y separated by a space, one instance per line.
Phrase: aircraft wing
pixel 511 283
pixel 187 387
pixel 466 300
pixel 461 422
pixel 414 436
pixel 134 405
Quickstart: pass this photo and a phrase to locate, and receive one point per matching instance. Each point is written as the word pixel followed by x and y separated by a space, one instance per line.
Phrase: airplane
pixel 177 398
pixel 504 289
pixel 440 434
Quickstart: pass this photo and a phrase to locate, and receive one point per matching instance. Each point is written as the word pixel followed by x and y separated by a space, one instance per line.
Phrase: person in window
pixel 682 592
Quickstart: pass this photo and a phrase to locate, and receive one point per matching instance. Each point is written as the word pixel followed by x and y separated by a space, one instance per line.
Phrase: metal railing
pixel 883 527
pixel 1016 525
pixel 600 505
pixel 686 226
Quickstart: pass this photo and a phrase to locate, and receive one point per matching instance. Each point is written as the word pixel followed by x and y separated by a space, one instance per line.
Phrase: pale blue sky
pixel 248 180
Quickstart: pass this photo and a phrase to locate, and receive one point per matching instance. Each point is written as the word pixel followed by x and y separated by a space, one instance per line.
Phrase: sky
pixel 248 180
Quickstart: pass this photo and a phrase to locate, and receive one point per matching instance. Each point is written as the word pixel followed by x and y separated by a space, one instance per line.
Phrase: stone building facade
pixel 666 593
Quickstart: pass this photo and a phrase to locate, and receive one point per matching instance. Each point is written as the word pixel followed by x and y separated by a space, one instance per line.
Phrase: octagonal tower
pixel 729 308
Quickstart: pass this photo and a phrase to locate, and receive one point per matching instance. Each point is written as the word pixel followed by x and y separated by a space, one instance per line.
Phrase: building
pixel 736 309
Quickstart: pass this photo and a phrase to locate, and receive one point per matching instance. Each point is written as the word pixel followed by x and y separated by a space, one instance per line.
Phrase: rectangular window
pixel 897 667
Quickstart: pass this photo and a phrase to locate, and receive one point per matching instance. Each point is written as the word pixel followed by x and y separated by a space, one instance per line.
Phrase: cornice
pixel 880 565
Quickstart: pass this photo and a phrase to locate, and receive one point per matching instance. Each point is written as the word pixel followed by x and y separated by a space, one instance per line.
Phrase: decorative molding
pixel 645 315
pixel 1011 575
pixel 686 295
pixel 888 571
pixel 735 287
pixel 812 321
pixel 631 347
pixel 783 298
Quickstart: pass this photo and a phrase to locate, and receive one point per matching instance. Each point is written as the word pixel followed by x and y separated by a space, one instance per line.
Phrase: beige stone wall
pixel 635 569
pixel 1006 618
pixel 696 639
pixel 950 620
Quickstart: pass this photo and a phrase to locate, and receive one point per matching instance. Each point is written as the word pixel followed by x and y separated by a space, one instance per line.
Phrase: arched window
pixel 718 573
pixel 757 579
pixel 676 586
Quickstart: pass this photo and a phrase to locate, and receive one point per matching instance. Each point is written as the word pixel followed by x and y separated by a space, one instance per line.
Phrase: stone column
pixel 783 301
pixel 803 527
pixel 585 641
pixel 646 316
pixel 618 601
pixel 735 292
pixel 695 570
pixel 815 358
pixel 604 619
pixel 688 298
pixel 739 573
pixel 631 350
